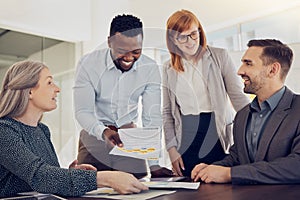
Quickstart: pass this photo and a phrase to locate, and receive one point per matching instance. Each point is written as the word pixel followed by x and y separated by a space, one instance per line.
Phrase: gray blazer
pixel 223 83
pixel 278 155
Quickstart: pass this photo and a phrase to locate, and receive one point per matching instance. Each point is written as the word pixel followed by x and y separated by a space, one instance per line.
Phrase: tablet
pixel 169 179
pixel 172 179
pixel 172 185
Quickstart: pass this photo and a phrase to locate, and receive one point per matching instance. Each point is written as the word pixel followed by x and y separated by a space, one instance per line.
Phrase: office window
pixel 284 26
pixel 59 56
pixel 225 38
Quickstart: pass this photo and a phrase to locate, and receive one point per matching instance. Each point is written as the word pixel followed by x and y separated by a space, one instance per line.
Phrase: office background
pixel 59 32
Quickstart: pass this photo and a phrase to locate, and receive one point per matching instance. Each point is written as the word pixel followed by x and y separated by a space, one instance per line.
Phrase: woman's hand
pixel 177 161
pixel 122 182
pixel 75 165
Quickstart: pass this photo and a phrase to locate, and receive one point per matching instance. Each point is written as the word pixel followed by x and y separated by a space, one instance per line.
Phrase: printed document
pixel 142 143
pixel 109 193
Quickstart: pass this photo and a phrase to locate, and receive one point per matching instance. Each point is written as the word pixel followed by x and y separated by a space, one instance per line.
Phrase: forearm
pixel 67 182
pixel 226 162
pixel 89 123
pixel 169 128
pixel 279 171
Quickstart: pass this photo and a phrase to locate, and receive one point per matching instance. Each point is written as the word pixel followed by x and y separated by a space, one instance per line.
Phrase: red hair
pixel 178 22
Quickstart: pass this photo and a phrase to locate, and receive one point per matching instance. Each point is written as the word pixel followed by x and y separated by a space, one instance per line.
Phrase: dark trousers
pixel 200 141
pixel 96 152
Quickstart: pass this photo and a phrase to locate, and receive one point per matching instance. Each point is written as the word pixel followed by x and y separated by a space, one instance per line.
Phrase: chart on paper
pixel 143 143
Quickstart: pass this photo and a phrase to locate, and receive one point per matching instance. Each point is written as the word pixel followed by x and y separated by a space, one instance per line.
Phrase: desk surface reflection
pixel 232 192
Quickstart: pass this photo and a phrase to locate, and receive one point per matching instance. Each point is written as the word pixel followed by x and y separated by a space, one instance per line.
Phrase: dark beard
pixel 117 64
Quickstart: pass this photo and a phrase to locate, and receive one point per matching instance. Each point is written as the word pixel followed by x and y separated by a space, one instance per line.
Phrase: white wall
pixel 102 13
pixel 292 80
pixel 67 20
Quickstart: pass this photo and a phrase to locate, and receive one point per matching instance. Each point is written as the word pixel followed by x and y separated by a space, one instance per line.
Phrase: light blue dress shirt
pixel 103 95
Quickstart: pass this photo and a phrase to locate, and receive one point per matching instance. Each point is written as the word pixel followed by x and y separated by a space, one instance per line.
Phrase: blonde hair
pixel 18 80
pixel 177 23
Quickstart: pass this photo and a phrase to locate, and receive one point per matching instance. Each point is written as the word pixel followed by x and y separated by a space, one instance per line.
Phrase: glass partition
pixel 228 37
pixel 284 26
pixel 59 56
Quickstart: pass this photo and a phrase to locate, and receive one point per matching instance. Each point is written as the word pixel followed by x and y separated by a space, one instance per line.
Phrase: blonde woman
pixel 200 86
pixel 28 161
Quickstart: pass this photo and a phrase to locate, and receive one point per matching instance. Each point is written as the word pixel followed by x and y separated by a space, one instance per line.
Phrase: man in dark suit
pixel 266 132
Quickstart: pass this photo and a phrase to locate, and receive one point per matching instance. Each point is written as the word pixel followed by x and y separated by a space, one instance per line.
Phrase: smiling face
pixel 253 71
pixel 191 46
pixel 125 51
pixel 43 95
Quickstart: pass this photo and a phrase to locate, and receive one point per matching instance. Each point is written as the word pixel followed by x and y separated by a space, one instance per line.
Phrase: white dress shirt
pixel 191 90
pixel 103 95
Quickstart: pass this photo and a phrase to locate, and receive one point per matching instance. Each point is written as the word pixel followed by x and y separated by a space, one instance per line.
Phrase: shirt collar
pixel 271 102
pixel 275 98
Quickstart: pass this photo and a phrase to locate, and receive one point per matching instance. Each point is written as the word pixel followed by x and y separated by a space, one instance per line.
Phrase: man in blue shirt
pixel 266 133
pixel 109 83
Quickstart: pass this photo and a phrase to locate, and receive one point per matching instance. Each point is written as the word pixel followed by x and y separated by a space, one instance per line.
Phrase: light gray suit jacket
pixel 278 155
pixel 223 84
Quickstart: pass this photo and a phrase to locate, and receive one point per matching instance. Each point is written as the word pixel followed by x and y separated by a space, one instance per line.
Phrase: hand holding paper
pixel 142 143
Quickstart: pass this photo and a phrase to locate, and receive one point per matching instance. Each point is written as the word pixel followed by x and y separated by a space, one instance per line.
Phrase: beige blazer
pixel 224 87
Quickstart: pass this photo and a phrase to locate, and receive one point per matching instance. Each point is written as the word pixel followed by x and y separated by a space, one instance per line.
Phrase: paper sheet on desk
pixel 172 185
pixel 37 195
pixel 109 193
pixel 143 143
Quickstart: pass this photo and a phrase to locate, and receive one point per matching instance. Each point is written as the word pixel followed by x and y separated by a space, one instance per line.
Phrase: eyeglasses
pixel 184 38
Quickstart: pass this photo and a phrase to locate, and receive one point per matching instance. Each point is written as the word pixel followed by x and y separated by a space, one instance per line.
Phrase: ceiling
pixel 213 14
pixel 16 46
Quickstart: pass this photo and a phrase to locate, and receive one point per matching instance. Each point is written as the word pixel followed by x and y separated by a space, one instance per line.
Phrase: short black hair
pixel 128 25
pixel 274 51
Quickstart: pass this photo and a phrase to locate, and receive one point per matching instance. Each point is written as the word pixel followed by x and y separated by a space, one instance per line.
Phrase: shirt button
pixel 260 115
pixel 254 134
